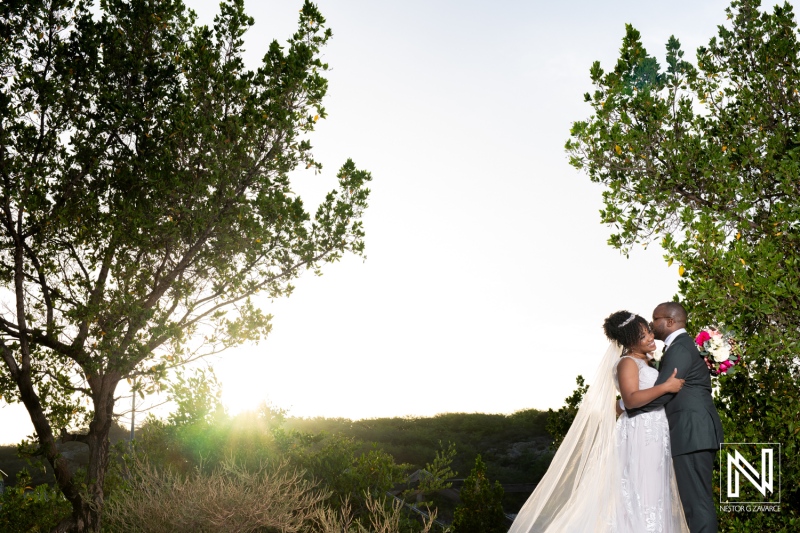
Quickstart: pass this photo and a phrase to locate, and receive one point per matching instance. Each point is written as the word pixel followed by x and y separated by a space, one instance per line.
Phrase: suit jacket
pixel 693 420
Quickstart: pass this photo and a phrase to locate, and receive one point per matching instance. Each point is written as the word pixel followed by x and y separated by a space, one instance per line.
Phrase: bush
pixel 232 498
pixel 337 462
pixel 382 517
pixel 23 509
pixel 481 509
pixel 228 499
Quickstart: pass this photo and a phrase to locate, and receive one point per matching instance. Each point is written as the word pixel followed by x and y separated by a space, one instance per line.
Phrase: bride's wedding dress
pixel 608 476
pixel 649 494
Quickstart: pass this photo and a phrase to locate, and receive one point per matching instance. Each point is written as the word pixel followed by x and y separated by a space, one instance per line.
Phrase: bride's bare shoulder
pixel 627 365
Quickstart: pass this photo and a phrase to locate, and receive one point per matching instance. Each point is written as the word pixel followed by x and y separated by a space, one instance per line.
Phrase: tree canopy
pixel 144 199
pixel 704 158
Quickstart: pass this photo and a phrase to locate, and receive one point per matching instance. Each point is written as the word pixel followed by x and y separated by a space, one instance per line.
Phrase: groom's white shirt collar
pixel 671 337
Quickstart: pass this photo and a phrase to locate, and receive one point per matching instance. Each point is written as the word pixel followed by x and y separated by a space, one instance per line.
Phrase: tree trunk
pixel 87 509
pixel 47 442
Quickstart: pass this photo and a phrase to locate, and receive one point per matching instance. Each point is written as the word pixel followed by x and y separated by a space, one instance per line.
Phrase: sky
pixel 487 274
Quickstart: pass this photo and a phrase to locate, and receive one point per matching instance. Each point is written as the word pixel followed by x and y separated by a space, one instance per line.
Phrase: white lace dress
pixel 650 500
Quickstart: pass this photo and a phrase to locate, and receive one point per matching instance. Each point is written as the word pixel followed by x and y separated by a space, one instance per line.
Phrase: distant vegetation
pixel 309 474
pixel 344 466
pixel 513 446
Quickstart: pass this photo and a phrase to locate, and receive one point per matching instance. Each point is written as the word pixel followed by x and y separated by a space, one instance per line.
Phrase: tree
pixel 197 398
pixel 559 422
pixel 435 477
pixel 481 507
pixel 705 160
pixel 439 471
pixel 144 199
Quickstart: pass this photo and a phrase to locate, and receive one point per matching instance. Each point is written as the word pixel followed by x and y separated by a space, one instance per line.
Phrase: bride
pixel 607 476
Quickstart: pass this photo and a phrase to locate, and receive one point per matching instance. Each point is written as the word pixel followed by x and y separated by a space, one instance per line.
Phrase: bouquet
pixel 720 350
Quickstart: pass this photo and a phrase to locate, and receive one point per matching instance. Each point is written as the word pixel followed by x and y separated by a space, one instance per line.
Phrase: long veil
pixel 580 491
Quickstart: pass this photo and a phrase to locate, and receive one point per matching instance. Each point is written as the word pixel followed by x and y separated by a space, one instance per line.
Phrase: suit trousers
pixel 694 473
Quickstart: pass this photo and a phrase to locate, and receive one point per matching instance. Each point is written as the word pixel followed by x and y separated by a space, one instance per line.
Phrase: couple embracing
pixel 651 470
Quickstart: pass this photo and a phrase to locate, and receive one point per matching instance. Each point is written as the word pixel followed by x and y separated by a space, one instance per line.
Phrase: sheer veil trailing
pixel 580 491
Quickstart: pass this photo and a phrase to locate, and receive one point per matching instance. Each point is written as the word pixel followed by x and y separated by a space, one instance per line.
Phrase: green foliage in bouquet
pixel 704 158
pixel 720 349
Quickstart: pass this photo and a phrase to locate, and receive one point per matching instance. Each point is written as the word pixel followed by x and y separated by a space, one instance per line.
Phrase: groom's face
pixel 662 324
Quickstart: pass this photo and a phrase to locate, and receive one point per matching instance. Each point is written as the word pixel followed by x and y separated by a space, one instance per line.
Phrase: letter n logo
pixel 738 465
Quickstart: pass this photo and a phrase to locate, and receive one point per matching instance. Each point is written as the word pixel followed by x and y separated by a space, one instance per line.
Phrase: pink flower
pixel 702 337
pixel 715 333
pixel 724 366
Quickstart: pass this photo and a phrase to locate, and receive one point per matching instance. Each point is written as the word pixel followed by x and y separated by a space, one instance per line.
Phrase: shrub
pixel 383 517
pixel 30 510
pixel 232 498
pixel 481 508
pixel 228 499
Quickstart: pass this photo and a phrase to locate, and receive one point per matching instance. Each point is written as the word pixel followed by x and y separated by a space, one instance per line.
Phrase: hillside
pixel 514 447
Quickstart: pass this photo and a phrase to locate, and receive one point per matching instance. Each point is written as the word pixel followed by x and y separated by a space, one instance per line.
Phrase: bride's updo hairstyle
pixel 625 328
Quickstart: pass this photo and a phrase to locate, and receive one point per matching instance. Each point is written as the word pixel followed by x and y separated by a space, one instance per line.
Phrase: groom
pixel 694 427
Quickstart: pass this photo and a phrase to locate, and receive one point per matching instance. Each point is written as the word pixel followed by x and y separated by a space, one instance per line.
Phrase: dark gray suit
pixel 694 428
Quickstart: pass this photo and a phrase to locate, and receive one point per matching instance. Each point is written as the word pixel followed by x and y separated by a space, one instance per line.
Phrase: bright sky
pixel 487 275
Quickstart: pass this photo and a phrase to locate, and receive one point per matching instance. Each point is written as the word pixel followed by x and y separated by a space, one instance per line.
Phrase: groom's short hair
pixel 675 311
